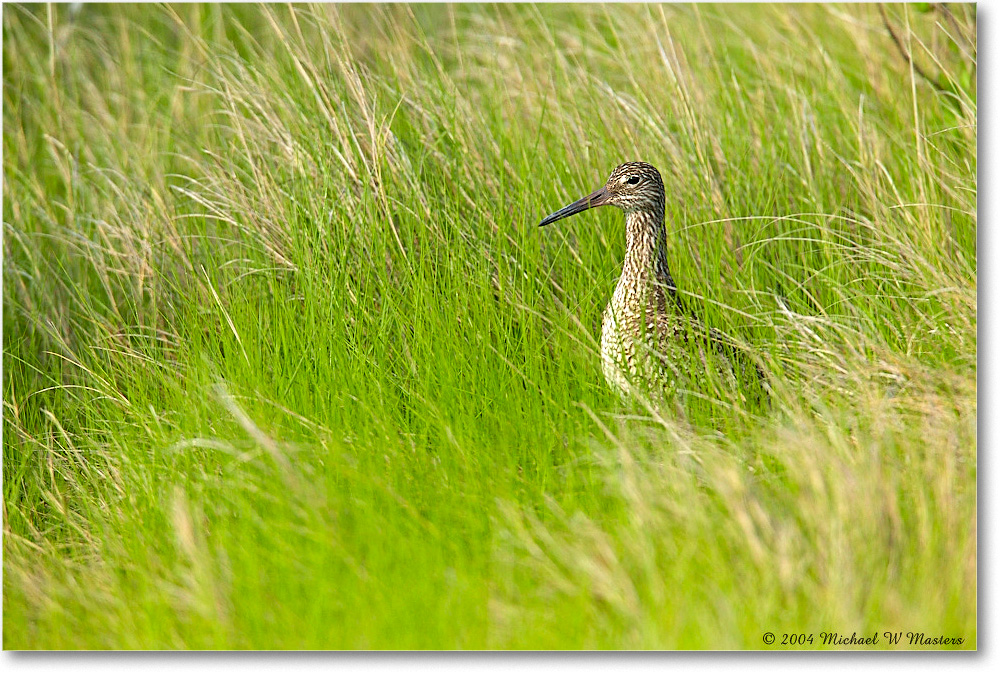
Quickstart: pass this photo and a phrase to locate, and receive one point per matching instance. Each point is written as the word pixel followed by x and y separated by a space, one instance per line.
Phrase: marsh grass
pixel 287 363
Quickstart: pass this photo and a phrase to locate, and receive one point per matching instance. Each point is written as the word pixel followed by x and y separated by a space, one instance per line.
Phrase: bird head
pixel 632 186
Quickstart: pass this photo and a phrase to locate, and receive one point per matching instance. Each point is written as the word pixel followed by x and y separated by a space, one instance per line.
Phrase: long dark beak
pixel 598 197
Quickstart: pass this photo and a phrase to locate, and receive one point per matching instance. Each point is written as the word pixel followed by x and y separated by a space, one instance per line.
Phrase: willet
pixel 649 338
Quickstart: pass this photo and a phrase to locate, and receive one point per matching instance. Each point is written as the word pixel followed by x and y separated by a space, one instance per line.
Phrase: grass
pixel 287 364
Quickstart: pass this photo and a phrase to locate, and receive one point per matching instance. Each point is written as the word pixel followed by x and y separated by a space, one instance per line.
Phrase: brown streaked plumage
pixel 646 328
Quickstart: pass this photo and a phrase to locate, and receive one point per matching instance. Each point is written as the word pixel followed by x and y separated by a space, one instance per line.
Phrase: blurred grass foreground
pixel 287 364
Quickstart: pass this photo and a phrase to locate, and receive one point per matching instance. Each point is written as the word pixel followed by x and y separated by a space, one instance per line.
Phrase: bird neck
pixel 646 250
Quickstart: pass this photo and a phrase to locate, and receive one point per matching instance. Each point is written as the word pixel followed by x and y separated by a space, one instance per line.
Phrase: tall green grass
pixel 287 363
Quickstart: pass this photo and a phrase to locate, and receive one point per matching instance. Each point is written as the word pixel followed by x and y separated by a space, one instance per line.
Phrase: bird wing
pixel 687 326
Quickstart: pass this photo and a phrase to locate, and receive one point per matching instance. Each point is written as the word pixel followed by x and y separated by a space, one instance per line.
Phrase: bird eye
pixel 634 180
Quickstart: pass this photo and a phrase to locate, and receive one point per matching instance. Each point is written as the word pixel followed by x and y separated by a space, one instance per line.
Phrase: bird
pixel 652 345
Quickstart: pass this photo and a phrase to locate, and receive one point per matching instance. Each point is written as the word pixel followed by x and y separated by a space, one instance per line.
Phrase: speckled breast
pixel 614 357
pixel 634 354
